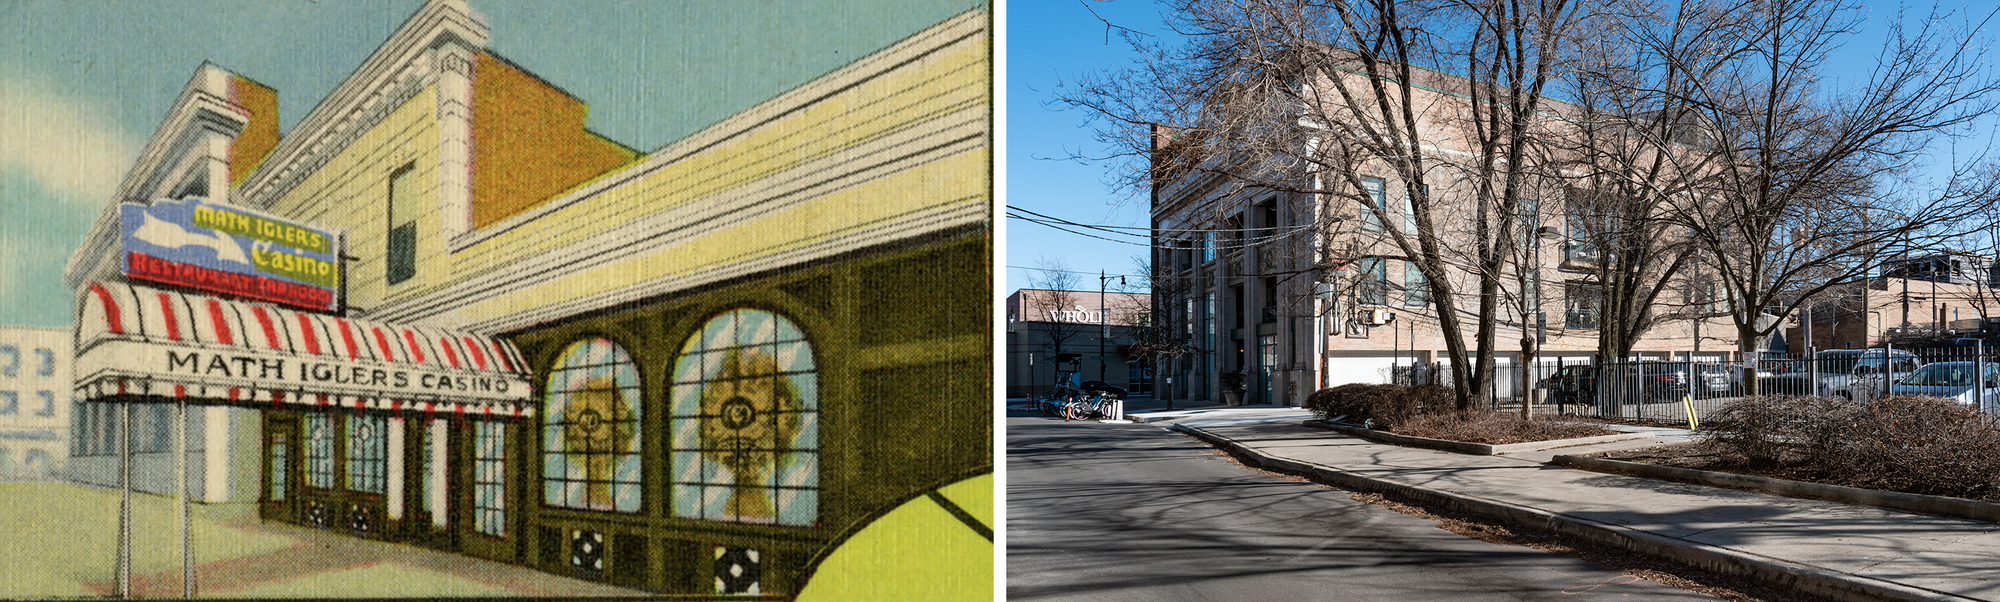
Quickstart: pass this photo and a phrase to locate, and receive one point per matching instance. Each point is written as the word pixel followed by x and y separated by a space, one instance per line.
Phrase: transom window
pixel 745 422
pixel 590 429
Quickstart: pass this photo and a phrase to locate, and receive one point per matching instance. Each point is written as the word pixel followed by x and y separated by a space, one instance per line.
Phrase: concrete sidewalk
pixel 1829 549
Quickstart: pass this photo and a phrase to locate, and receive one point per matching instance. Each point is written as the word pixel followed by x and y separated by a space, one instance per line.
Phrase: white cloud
pixel 61 159
pixel 65 144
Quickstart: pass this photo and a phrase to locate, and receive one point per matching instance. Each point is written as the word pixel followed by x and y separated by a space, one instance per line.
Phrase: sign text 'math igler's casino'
pixel 231 250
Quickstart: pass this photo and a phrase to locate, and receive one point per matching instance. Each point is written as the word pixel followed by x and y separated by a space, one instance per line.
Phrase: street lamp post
pixel 1103 324
pixel 1535 303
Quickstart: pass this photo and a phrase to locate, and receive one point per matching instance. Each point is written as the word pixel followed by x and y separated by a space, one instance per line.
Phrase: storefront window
pixel 745 423
pixel 367 453
pixel 590 421
pixel 489 478
pixel 319 451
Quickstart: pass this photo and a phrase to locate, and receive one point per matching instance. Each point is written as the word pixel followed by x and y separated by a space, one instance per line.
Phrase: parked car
pixel 1846 373
pixel 1634 382
pixel 1720 379
pixel 1951 380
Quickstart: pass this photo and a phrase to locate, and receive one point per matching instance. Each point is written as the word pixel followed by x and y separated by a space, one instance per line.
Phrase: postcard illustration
pixel 486 298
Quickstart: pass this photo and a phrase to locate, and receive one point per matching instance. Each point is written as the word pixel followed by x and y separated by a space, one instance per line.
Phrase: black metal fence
pixel 1667 390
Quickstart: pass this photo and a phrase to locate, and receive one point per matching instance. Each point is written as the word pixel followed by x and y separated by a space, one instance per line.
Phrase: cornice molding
pixel 400 67
pixel 201 109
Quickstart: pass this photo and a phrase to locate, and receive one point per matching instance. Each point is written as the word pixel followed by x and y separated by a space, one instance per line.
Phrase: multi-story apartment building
pixel 34 402
pixel 1300 291
pixel 1097 332
pixel 467 322
pixel 1924 300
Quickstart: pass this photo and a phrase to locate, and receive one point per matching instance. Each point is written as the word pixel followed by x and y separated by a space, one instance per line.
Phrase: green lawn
pixel 376 581
pixel 61 536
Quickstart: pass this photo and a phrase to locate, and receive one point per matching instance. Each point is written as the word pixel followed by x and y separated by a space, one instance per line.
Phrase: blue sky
pixel 1051 41
pixel 83 85
pixel 1055 40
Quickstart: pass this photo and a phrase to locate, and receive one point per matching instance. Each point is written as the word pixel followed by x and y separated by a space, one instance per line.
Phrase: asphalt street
pixel 1136 512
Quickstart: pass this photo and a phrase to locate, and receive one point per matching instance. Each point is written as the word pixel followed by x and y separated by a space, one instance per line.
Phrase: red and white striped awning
pixel 134 340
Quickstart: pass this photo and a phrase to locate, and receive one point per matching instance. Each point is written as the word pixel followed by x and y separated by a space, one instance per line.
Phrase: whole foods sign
pixel 233 251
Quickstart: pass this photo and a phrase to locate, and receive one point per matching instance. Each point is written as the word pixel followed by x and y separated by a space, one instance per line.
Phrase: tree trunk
pixel 1527 372
pixel 1750 342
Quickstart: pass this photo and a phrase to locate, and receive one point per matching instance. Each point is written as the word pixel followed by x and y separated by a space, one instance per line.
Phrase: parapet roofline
pixel 434 25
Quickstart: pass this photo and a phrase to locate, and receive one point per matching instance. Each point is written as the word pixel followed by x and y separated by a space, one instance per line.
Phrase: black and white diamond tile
pixel 359 520
pixel 586 551
pixel 318 515
pixel 738 571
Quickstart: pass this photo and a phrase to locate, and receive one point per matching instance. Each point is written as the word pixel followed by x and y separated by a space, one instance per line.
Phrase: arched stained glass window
pixel 745 422
pixel 590 429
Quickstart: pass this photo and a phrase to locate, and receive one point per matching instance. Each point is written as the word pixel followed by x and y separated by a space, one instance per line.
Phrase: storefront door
pixel 486 508
pixel 280 491
pixel 427 507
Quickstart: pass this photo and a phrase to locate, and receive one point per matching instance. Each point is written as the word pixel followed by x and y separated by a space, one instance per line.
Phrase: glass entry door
pixel 279 496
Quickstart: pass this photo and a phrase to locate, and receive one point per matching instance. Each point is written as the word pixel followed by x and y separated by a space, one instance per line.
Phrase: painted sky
pixel 83 85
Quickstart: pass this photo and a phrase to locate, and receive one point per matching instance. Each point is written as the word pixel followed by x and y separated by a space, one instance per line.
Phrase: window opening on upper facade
pixel 1372 190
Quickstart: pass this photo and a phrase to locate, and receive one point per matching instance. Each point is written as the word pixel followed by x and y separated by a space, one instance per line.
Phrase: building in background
pixel 696 370
pixel 1926 308
pixel 35 406
pixel 1094 332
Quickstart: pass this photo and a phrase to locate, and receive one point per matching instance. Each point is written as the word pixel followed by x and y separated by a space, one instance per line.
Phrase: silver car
pixel 1952 380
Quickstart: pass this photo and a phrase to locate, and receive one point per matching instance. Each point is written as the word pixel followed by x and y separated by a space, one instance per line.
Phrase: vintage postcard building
pixel 441 310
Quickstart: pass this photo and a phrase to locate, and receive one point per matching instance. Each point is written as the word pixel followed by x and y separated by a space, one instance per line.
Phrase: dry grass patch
pixel 1428 412
pixel 1497 428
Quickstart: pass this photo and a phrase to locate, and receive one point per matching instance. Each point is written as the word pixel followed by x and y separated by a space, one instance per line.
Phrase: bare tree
pixel 1626 158
pixel 1303 98
pixel 1166 337
pixel 1057 292
pixel 1793 188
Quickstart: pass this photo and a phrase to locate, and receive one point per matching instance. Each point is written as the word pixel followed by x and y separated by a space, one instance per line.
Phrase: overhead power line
pixel 1022 267
pixel 1067 226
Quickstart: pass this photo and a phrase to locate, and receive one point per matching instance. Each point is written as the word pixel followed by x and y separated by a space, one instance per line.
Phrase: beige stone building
pixel 1303 291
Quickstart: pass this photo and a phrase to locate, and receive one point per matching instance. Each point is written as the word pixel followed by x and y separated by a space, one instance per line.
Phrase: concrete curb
pixel 1776 572
pixel 1928 504
pixel 1477 449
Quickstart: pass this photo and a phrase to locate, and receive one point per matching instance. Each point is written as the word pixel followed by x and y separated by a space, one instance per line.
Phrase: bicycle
pixel 1085 407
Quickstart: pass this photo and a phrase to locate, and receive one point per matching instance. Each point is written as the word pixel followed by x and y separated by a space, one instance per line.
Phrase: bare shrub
pixel 1909 443
pixel 1753 427
pixel 1386 405
pixel 1763 428
pixel 1921 444
pixel 1494 428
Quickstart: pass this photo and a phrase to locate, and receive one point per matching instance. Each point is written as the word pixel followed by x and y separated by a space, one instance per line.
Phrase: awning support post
pixel 181 482
pixel 125 501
